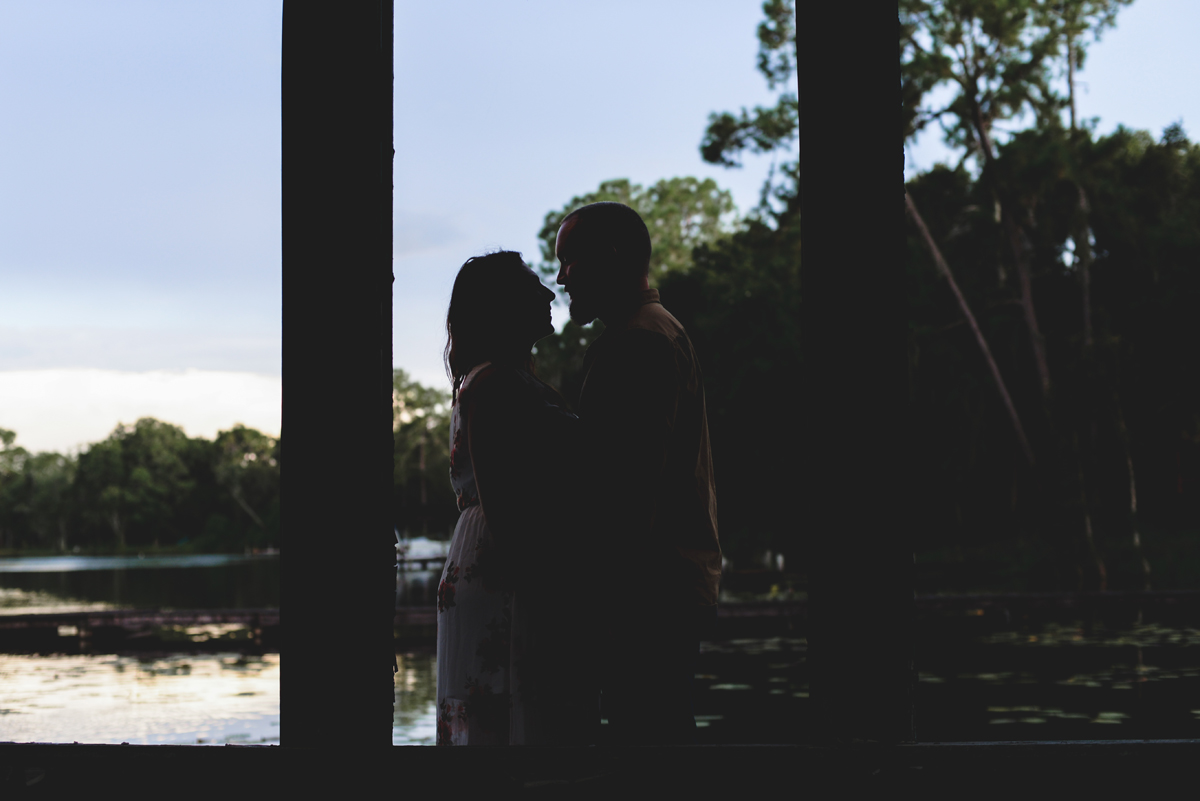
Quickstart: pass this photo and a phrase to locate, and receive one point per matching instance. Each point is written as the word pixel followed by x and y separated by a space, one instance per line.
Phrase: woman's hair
pixel 481 312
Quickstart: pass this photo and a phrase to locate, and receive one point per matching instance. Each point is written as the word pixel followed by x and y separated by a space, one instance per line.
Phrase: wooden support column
pixel 855 392
pixel 337 553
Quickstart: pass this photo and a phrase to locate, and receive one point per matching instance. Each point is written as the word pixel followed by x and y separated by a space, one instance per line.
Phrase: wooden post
pixel 854 386
pixel 337 555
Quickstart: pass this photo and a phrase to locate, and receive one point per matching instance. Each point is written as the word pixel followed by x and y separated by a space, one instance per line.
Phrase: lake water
pixel 177 698
pixel 188 698
pixel 1055 680
pixel 205 698
pixel 1050 678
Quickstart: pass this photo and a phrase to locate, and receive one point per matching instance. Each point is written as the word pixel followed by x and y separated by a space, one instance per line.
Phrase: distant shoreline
pixel 73 563
pixel 150 552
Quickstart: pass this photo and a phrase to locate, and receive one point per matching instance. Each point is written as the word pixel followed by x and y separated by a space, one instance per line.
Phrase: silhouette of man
pixel 650 477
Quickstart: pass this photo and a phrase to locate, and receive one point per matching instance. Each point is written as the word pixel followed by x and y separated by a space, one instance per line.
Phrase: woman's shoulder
pixel 506 384
pixel 489 379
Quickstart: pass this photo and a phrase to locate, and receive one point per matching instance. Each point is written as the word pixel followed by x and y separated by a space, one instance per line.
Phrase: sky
pixel 140 175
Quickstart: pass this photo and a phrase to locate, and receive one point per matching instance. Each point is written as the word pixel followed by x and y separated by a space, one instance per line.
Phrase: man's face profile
pixel 575 274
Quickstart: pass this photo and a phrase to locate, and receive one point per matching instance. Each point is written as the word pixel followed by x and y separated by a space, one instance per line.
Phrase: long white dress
pixel 509 665
pixel 474 602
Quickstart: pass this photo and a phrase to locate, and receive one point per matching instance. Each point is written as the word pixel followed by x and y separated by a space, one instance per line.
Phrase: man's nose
pixel 561 280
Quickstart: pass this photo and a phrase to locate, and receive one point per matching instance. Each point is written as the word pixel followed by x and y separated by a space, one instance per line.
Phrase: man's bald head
pixel 613 234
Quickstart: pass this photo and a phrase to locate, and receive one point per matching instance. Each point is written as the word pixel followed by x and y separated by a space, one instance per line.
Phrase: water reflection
pixel 182 699
pixel 1061 680
pixel 17 601
pixel 414 719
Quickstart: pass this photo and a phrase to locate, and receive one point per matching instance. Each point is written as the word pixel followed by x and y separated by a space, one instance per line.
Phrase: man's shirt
pixel 642 402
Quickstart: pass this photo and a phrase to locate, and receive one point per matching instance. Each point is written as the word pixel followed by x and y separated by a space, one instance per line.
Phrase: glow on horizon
pixel 64 410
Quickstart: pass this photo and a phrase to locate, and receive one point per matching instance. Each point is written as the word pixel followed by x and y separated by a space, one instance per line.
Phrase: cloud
pixel 65 409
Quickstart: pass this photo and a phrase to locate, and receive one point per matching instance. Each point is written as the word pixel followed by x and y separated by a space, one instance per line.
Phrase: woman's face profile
pixel 531 301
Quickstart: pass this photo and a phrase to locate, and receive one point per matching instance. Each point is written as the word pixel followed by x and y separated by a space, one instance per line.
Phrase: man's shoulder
pixel 652 339
pixel 654 318
pixel 639 340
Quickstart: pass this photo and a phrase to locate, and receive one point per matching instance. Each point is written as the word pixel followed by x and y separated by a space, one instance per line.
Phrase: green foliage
pixel 423 501
pixel 146 485
pixel 133 481
pixel 245 465
pixel 777 41
pixel 12 487
pixel 1001 59
pixel 35 495
pixel 49 478
pixel 740 304
pixel 1144 223
pixel 681 213
pixel 765 129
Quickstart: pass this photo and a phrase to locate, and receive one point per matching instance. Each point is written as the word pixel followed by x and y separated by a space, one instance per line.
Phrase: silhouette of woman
pixel 510 665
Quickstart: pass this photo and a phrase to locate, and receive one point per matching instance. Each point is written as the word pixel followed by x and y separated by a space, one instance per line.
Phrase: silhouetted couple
pixel 585 561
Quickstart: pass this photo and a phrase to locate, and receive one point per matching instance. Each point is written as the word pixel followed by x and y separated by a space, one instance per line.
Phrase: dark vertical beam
pixel 855 385
pixel 337 556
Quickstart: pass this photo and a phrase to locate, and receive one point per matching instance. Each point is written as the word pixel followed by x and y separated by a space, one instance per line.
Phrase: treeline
pixel 148 485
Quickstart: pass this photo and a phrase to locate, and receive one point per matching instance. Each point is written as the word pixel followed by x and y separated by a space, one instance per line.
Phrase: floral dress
pixel 502 671
pixel 474 614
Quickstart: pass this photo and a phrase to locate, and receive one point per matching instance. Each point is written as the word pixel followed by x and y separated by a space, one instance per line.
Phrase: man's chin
pixel 581 314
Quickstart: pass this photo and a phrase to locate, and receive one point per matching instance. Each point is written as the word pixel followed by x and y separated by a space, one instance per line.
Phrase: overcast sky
pixel 140 188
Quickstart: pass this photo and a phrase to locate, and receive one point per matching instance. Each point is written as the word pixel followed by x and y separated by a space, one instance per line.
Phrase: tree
pixel 145 485
pixel 1000 58
pixel 765 129
pixel 740 304
pixel 12 469
pixel 423 499
pixel 49 480
pixel 1077 21
pixel 1126 403
pixel 246 466
pixel 681 214
pixel 133 482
